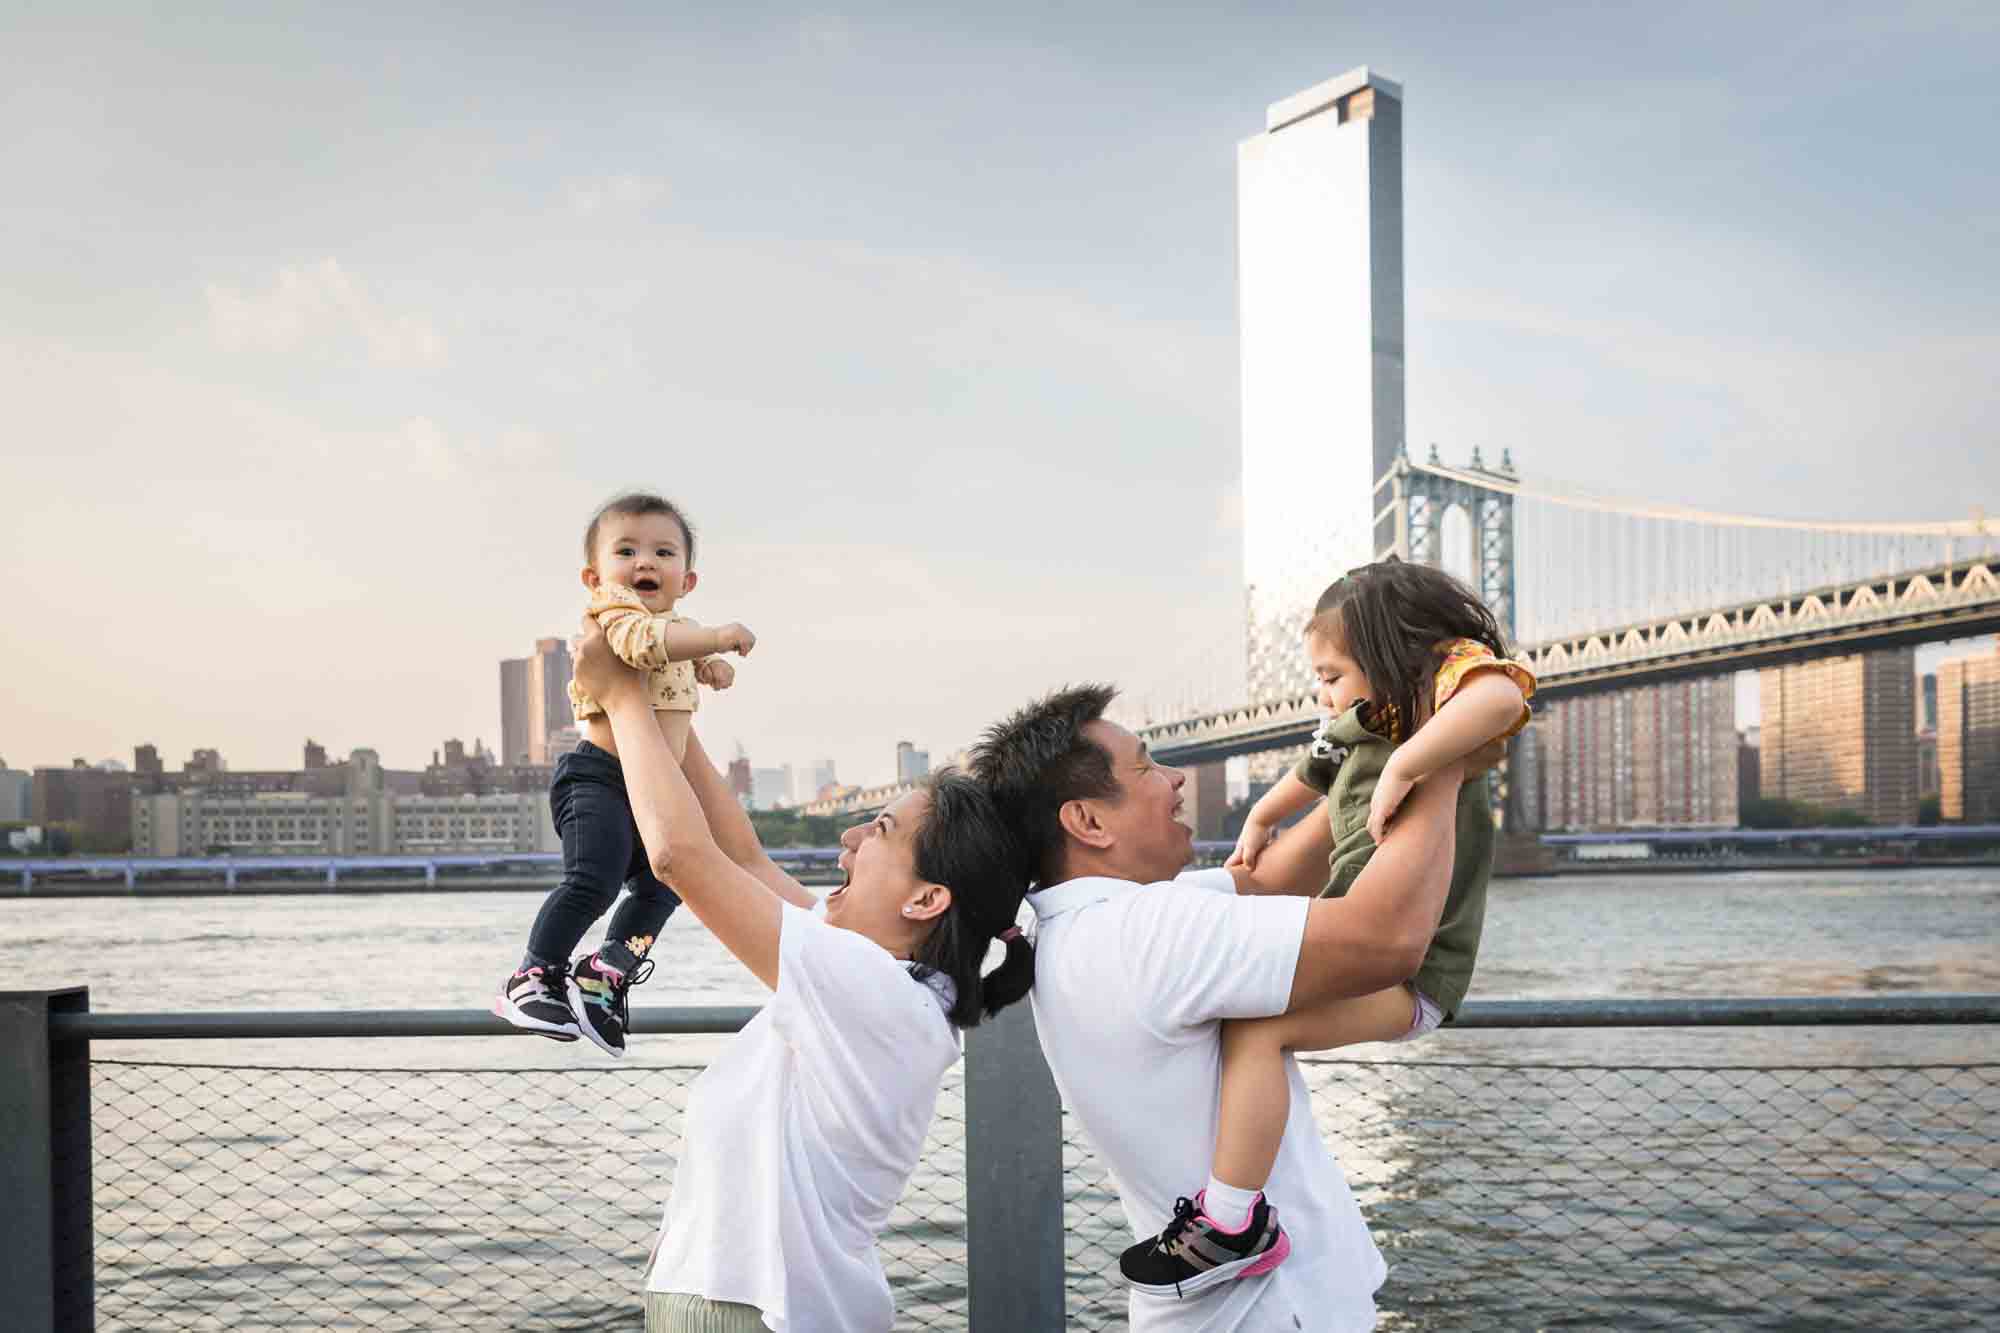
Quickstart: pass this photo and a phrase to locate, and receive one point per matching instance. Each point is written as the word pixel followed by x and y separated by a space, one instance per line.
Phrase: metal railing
pixel 176 1194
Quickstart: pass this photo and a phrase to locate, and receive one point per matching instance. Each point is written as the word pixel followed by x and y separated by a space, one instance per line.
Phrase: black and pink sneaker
pixel 1194 1253
pixel 536 999
pixel 597 998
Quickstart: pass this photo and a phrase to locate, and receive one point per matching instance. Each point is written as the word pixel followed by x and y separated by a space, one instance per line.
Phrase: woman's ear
pixel 931 902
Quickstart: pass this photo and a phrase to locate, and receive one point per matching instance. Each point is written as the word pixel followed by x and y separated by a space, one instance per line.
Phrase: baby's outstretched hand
pixel 1390 790
pixel 715 673
pixel 1250 844
pixel 735 638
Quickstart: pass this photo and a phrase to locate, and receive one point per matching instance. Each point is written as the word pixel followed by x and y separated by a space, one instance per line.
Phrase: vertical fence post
pixel 1013 1179
pixel 46 1267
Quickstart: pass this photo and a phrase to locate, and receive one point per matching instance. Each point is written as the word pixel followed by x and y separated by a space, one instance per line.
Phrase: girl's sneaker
pixel 597 999
pixel 536 999
pixel 1195 1253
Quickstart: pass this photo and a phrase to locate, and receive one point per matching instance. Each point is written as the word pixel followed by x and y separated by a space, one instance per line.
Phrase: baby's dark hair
pixel 1391 616
pixel 634 503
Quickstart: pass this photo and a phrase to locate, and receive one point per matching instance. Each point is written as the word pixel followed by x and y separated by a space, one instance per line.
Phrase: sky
pixel 323 331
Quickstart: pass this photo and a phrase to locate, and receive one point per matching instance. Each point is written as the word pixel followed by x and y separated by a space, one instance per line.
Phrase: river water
pixel 344 1138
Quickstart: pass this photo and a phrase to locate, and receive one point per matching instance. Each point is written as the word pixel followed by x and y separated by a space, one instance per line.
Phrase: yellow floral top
pixel 639 637
pixel 1457 660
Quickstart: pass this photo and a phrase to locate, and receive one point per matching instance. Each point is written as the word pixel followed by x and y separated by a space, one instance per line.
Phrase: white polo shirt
pixel 800 1137
pixel 1131 984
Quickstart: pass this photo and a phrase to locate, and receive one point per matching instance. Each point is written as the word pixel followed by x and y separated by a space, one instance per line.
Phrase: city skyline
pixel 382 345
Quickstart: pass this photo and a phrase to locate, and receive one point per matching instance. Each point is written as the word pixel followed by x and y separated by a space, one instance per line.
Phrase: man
pixel 1137 965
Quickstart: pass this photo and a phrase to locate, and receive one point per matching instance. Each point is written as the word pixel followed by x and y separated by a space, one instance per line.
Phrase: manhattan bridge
pixel 1603 593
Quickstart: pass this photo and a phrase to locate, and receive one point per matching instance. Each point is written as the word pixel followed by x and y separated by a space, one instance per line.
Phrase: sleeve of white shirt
pixel 1204 952
pixel 859 1025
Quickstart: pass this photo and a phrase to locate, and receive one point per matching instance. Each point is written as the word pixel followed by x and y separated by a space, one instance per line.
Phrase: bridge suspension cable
pixel 1586 562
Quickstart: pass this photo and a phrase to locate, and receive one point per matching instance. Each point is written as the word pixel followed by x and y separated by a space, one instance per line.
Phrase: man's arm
pixel 732 827
pixel 1376 936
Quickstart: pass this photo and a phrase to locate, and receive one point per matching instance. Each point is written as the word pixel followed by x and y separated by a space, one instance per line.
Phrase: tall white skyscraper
pixel 1320 282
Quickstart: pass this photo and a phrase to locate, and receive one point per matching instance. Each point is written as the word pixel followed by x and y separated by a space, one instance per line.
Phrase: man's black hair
pixel 1037 761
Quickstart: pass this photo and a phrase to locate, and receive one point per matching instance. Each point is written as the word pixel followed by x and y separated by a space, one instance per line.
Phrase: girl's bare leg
pixel 1256 1095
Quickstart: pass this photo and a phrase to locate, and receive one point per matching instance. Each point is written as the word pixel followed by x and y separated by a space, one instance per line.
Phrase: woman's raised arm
pixel 736 907
pixel 732 828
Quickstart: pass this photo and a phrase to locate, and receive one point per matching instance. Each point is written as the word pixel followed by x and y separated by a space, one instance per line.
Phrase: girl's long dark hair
pixel 1390 618
pixel 965 845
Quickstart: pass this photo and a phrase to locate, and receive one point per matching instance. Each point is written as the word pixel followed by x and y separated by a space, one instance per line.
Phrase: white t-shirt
pixel 1131 983
pixel 800 1137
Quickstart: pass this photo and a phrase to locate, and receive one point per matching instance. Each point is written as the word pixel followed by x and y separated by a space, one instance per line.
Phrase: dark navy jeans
pixel 601 854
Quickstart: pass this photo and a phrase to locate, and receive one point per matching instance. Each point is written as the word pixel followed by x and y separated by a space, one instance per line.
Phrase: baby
pixel 639 562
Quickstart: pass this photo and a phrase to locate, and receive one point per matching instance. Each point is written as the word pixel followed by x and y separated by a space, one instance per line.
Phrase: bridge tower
pixel 1421 496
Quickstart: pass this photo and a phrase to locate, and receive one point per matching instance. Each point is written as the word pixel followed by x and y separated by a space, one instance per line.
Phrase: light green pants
pixel 678 1312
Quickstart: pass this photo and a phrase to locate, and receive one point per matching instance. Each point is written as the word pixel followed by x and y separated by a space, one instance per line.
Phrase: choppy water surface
pixel 1669 1197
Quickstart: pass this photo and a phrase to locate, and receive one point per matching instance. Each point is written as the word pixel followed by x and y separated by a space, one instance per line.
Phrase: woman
pixel 800 1137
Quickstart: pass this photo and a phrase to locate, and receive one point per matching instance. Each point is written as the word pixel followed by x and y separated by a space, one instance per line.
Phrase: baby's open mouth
pixel 647 585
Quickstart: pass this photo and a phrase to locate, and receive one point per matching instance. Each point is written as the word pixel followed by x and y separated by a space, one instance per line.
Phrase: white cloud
pixel 616 194
pixel 320 303
pixel 825 35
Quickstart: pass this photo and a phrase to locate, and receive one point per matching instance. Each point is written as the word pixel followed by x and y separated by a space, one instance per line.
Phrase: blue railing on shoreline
pixel 539 866
pixel 229 870
pixel 155 1193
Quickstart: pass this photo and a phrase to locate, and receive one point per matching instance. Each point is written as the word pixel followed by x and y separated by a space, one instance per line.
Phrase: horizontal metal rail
pixel 1805 1011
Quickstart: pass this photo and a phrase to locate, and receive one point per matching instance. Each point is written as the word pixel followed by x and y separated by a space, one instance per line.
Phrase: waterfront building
pixel 1749 765
pixel 17 795
pixel 495 822
pixel 147 766
pixel 1320 314
pixel 1968 738
pixel 94 804
pixel 1648 756
pixel 548 697
pixel 1839 733
pixel 534 703
pixel 364 821
pixel 770 788
pixel 514 710
pixel 911 763
pixel 810 781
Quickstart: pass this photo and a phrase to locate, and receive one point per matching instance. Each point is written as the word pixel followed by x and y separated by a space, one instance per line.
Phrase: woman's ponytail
pixel 1013 978
pixel 965 845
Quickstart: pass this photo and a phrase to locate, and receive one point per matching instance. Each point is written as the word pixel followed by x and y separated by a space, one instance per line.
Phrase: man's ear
pixel 1079 820
pixel 688 580
pixel 590 579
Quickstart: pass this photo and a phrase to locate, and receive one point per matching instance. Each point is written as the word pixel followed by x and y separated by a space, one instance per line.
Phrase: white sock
pixel 1227 1206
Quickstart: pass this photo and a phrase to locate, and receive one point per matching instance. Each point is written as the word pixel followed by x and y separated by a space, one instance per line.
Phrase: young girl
pixel 1413 677
pixel 638 563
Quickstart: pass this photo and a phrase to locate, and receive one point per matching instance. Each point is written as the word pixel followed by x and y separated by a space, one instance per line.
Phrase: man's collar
pixel 1072 894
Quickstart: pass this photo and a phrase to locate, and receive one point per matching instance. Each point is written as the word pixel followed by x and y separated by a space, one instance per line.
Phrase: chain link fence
pixel 1505 1196
pixel 1590 1196
pixel 255 1198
